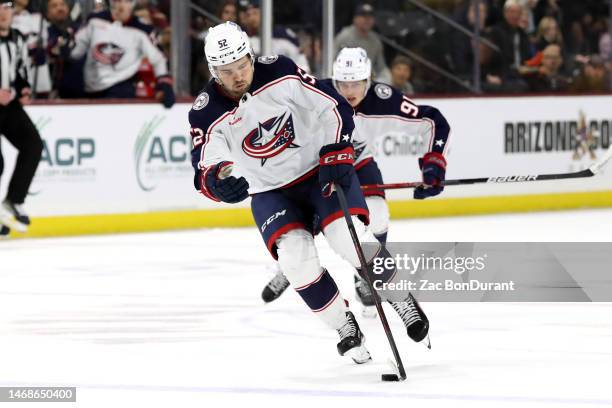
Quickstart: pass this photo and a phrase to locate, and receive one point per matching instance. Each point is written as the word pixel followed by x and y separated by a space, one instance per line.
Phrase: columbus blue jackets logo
pixel 383 91
pixel 358 147
pixel 267 59
pixel 270 138
pixel 201 101
pixel 108 53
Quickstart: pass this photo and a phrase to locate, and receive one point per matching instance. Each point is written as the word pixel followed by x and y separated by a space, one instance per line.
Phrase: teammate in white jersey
pixel 290 137
pixel 380 110
pixel 115 43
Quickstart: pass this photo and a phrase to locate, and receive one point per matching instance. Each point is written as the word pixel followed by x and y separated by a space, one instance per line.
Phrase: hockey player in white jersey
pixel 380 110
pixel 115 43
pixel 290 137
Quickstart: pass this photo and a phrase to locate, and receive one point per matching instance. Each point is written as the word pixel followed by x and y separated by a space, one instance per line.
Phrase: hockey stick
pixel 364 267
pixel 590 172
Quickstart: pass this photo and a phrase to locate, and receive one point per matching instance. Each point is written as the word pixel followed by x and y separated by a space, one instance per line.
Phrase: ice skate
pixel 13 216
pixel 275 287
pixel 352 341
pixel 415 320
pixel 365 296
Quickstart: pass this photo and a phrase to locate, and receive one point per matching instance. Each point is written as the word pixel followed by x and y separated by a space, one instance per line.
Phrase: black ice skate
pixel 4 231
pixel 13 216
pixel 275 287
pixel 414 319
pixel 365 296
pixel 352 341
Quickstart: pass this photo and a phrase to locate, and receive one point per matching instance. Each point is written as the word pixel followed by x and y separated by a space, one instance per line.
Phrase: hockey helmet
pixel 352 64
pixel 224 44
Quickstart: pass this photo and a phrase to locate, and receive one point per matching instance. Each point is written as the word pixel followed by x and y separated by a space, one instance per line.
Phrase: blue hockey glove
pixel 433 167
pixel 336 166
pixel 214 185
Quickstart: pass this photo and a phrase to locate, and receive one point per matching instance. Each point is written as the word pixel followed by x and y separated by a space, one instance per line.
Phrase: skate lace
pixel 348 329
pixel 278 283
pixel 408 312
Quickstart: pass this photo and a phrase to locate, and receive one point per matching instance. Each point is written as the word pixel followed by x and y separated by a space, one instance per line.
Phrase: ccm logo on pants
pixel 271 219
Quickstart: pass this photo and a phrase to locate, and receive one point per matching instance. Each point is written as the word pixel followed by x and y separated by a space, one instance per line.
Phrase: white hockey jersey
pixel 115 51
pixel 385 112
pixel 29 25
pixel 275 131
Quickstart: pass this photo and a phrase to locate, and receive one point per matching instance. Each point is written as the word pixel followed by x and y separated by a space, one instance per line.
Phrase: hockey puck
pixel 389 377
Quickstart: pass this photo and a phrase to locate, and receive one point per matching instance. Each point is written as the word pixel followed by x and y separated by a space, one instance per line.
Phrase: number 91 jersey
pixel 385 111
pixel 275 131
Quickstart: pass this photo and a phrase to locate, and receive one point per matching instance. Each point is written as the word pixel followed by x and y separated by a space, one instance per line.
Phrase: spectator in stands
pixel 67 75
pixel 528 22
pixel 462 46
pixel 548 33
pixel 360 34
pixel 35 31
pixel 401 74
pixel 593 77
pixel 228 11
pixel 503 68
pixel 549 77
pixel 284 40
pixel 115 45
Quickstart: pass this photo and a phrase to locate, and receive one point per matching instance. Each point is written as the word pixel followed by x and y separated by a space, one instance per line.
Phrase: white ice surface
pixel 175 320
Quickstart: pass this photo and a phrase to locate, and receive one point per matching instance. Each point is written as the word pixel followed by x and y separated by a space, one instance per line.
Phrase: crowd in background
pixel 542 45
pixel 539 45
pixel 96 49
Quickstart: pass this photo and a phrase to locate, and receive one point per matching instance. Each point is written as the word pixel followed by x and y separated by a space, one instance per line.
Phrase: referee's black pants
pixel 16 126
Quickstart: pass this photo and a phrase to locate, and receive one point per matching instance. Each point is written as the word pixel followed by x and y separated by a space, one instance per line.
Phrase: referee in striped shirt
pixel 15 125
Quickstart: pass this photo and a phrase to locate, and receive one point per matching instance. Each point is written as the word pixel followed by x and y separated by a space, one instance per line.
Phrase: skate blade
pixel 12 223
pixel 369 312
pixel 426 342
pixel 360 354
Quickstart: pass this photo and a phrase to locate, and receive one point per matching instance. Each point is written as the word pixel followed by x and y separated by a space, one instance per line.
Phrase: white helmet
pixel 133 2
pixel 224 44
pixel 352 64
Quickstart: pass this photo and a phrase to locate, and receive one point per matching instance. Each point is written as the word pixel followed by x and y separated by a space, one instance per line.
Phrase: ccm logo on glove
pixel 336 166
pixel 345 157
